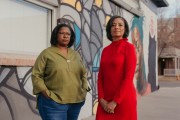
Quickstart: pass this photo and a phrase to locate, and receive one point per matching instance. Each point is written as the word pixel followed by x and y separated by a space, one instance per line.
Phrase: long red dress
pixel 115 81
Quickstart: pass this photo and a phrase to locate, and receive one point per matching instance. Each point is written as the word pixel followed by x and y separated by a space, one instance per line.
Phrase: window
pixel 24 27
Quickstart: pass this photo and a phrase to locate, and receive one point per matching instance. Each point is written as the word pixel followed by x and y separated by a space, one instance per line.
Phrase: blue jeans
pixel 51 110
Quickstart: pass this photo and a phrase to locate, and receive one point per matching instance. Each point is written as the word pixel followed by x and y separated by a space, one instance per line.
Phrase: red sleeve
pixel 100 81
pixel 130 65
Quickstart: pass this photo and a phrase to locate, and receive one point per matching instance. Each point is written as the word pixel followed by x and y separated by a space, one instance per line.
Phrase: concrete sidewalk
pixel 163 104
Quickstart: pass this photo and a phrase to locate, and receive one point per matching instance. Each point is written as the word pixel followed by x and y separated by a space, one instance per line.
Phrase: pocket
pixel 45 97
pixel 47 101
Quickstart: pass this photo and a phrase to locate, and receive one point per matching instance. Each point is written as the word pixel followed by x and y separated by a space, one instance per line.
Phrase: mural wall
pixel 16 99
pixel 88 18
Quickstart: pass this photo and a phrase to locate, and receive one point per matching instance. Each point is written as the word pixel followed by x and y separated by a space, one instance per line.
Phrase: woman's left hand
pixel 111 106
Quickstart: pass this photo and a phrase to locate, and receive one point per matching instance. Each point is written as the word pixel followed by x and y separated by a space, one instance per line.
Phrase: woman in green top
pixel 59 78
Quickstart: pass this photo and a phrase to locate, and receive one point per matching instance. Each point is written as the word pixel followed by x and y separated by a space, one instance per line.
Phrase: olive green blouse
pixel 63 78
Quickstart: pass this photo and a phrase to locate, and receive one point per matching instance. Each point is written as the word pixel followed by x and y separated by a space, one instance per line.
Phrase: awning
pixel 160 3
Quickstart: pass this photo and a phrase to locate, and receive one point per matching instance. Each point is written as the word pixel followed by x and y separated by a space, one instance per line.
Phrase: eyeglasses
pixel 65 34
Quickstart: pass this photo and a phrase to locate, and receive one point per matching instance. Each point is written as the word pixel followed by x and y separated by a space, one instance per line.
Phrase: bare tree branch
pixel 166 27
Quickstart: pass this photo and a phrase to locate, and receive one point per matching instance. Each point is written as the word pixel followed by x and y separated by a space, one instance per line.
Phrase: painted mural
pixel 16 99
pixel 137 37
pixel 152 56
pixel 88 18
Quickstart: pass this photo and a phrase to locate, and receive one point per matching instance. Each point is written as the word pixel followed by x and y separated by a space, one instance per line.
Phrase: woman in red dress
pixel 116 91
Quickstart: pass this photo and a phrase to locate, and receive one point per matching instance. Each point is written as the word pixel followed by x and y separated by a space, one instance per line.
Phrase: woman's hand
pixel 111 106
pixel 108 107
pixel 103 104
